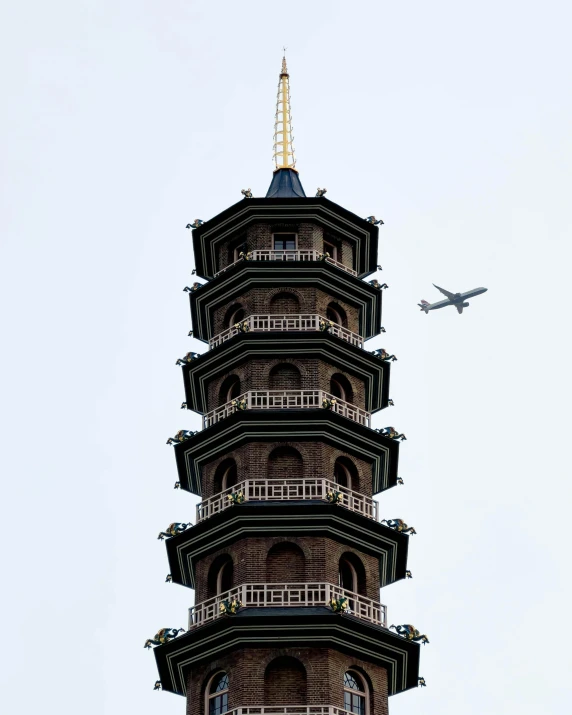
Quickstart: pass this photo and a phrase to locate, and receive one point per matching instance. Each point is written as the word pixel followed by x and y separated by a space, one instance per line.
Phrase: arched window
pixel 286 303
pixel 348 575
pixel 285 682
pixel 341 387
pixel 234 315
pixel 285 377
pixel 229 389
pixel 285 563
pixel 352 575
pixel 225 475
pixel 285 463
pixel 337 314
pixel 346 474
pixel 355 694
pixel 217 694
pixel 220 576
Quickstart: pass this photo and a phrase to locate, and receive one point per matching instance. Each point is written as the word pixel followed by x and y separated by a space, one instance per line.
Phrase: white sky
pixel 124 120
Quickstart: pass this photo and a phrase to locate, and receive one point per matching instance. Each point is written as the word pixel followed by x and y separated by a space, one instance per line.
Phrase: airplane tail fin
pixel 424 305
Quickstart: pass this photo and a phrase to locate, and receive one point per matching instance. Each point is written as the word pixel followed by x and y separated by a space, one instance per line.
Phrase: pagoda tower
pixel 288 554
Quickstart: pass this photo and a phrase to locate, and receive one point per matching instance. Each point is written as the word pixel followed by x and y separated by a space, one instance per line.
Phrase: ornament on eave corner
pixel 243 326
pixel 182 436
pixel 421 682
pixel 245 255
pixel 376 284
pixel 158 685
pixel 329 402
pixel 325 325
pixel 374 221
pixel 169 578
pixel 240 404
pixel 408 574
pixel 384 355
pixel 392 433
pixel 339 605
pixel 321 192
pixel 398 525
pixel 173 529
pixel 335 497
pixel 247 193
pixel 163 636
pixel 189 357
pixel 196 285
pixel 410 633
pixel 236 498
pixel 196 223
pixel 230 607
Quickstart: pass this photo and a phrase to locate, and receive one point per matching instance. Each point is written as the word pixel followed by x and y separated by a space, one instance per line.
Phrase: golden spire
pixel 283 147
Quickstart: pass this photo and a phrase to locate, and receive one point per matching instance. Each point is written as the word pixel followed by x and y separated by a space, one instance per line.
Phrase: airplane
pixel 456 299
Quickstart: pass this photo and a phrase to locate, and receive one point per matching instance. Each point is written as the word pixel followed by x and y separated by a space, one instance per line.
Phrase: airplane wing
pixel 459 308
pixel 449 295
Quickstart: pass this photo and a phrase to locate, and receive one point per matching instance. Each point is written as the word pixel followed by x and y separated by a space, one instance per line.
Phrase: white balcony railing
pixel 288 710
pixel 295 255
pixel 287 399
pixel 285 595
pixel 287 490
pixel 280 323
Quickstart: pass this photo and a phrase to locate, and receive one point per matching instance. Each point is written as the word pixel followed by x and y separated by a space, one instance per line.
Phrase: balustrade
pixel 286 595
pixel 280 323
pixel 288 710
pixel 294 255
pixel 287 490
pixel 287 399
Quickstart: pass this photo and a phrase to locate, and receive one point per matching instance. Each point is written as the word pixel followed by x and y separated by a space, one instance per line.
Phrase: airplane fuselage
pixel 456 299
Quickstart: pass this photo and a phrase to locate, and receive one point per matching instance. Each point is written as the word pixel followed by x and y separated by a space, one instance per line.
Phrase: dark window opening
pixel 354 694
pixel 218 695
pixel 331 249
pixel 284 241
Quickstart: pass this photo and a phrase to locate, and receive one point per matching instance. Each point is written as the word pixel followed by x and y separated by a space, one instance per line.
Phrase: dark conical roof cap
pixel 285 184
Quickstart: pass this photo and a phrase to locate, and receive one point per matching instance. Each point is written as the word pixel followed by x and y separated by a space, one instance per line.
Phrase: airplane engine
pixel 465 305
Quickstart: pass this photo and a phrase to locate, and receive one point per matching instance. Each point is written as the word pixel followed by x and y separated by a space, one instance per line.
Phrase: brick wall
pixel 285 681
pixel 285 463
pixel 318 461
pixel 257 676
pixel 300 374
pixel 264 559
pixel 259 236
pixel 259 301
pixel 285 562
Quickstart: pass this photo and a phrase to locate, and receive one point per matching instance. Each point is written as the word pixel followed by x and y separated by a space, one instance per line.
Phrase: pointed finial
pixel 284 68
pixel 283 147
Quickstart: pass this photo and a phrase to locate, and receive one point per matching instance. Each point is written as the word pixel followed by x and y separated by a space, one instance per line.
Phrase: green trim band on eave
pixel 315 518
pixel 265 274
pixel 289 628
pixel 224 358
pixel 252 425
pixel 236 218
